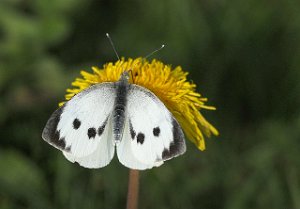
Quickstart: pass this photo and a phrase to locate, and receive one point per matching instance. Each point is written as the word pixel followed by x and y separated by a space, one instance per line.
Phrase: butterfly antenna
pixel 156 50
pixel 113 46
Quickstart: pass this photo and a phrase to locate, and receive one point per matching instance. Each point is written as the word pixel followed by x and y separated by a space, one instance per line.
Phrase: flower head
pixel 169 85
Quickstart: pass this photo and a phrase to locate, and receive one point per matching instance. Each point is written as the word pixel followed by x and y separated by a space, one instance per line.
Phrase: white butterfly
pixel 129 117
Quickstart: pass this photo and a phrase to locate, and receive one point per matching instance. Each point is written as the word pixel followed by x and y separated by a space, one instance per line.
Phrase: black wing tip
pixel 52 135
pixel 177 146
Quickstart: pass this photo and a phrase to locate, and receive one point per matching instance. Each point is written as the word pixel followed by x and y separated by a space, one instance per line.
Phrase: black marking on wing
pixel 101 128
pixel 52 135
pixel 62 144
pixel 91 132
pixel 132 132
pixel 140 138
pixel 156 131
pixel 177 146
pixel 76 123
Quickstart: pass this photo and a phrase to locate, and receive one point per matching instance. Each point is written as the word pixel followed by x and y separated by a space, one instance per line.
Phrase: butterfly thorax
pixel 119 110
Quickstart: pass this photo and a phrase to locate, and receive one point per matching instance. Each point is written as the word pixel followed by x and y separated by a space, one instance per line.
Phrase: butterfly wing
pixel 101 156
pixel 81 128
pixel 151 135
pixel 125 152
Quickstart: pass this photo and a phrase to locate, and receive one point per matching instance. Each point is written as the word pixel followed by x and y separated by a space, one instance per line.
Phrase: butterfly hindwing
pixel 153 133
pixel 81 128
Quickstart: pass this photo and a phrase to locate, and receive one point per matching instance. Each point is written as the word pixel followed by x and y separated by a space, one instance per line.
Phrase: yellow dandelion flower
pixel 169 85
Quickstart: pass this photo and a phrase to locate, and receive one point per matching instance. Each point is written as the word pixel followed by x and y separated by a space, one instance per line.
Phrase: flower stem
pixel 133 189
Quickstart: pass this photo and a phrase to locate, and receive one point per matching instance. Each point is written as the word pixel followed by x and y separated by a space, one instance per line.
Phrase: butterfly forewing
pixel 153 133
pixel 125 152
pixel 102 155
pixel 82 127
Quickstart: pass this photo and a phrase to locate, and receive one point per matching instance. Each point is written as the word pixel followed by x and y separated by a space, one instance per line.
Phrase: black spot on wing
pixel 140 138
pixel 156 131
pixel 62 143
pixel 51 134
pixel 76 123
pixel 101 128
pixel 91 132
pixel 132 132
pixel 177 146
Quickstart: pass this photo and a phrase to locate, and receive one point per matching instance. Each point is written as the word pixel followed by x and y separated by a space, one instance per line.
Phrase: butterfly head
pixel 125 76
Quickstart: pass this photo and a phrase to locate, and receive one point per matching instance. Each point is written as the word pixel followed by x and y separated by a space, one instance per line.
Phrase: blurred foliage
pixel 243 55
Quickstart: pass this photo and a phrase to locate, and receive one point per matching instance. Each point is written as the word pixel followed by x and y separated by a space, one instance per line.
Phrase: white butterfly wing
pixel 102 155
pixel 125 152
pixel 152 135
pixel 82 127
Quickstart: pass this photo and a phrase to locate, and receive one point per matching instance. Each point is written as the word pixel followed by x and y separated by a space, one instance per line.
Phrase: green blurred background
pixel 243 55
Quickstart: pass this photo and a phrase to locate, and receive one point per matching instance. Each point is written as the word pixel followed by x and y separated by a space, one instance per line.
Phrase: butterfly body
pixel 122 87
pixel 115 116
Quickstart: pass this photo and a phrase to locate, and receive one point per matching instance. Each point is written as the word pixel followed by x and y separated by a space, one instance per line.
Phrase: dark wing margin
pixel 177 146
pixel 51 134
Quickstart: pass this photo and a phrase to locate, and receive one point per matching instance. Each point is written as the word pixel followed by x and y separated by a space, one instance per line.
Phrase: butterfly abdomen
pixel 119 109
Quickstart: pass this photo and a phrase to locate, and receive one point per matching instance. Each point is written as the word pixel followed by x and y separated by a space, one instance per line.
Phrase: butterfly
pixel 115 116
